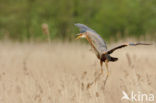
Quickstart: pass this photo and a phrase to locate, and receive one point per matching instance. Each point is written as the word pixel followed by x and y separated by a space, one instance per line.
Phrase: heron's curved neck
pixel 91 43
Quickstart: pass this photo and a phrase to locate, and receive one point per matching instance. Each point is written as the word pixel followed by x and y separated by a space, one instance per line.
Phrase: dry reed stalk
pixel 45 30
pixel 128 59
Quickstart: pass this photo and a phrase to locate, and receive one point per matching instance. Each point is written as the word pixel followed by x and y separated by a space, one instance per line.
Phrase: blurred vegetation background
pixel 23 19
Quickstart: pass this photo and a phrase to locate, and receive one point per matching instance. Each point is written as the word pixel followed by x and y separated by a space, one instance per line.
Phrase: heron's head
pixel 83 29
pixel 81 35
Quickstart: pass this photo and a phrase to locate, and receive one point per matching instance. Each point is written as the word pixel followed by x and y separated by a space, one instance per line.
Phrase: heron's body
pixel 97 43
pixel 99 46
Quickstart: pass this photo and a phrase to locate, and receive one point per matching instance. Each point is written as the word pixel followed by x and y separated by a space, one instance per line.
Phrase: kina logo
pixel 137 97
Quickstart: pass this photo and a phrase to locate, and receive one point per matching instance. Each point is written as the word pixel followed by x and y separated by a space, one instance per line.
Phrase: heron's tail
pixel 113 59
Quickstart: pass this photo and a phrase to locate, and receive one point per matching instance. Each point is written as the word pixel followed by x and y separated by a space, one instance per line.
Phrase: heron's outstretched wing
pixel 83 28
pixel 124 45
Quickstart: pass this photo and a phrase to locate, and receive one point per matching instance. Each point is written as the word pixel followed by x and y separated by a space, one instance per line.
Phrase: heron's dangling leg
pixel 106 64
pixel 108 73
pixel 101 64
pixel 101 72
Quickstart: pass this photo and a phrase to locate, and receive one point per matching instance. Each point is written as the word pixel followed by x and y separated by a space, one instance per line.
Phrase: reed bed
pixel 35 73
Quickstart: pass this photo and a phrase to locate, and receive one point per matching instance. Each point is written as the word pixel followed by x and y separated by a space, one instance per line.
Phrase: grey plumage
pixel 83 28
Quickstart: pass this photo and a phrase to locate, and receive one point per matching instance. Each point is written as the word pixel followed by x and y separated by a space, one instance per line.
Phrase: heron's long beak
pixel 79 36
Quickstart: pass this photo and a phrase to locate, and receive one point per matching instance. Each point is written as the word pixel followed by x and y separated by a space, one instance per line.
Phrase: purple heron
pixel 99 46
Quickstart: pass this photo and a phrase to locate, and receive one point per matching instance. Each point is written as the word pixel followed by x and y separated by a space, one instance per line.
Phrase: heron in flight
pixel 99 46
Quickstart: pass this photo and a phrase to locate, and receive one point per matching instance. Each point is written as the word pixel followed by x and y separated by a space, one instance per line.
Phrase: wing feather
pixel 125 45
